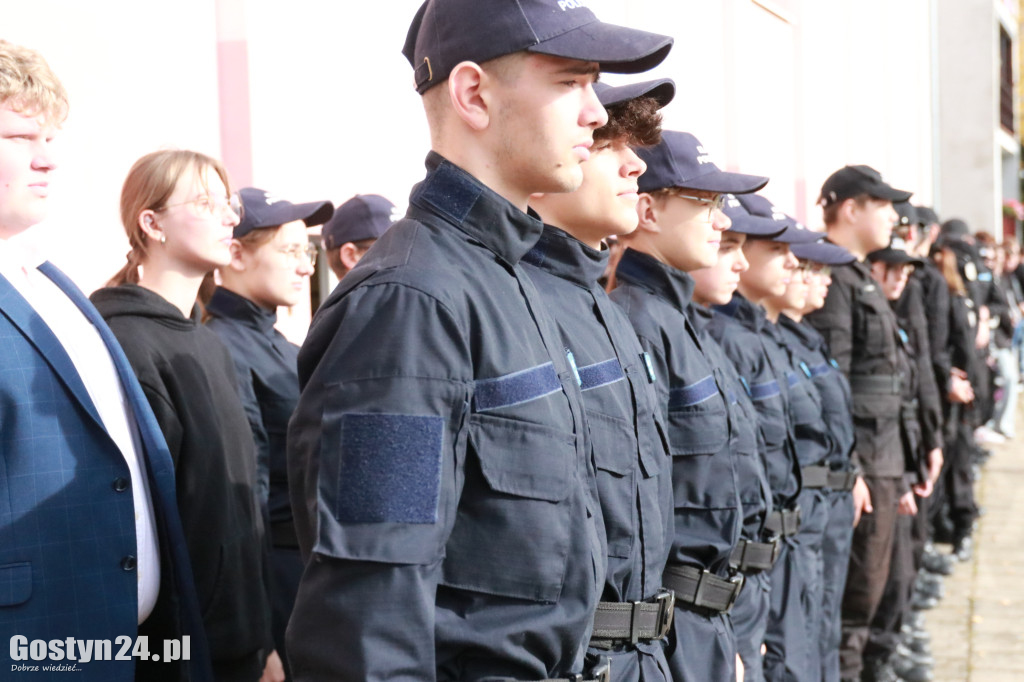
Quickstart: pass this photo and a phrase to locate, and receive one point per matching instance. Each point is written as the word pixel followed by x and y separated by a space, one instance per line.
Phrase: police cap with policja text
pixel 680 160
pixel 445 33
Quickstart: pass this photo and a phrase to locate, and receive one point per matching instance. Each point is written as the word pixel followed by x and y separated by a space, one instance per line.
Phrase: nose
pixel 592 113
pixel 305 268
pixel 719 220
pixel 791 261
pixel 230 217
pixel 742 264
pixel 634 166
pixel 44 159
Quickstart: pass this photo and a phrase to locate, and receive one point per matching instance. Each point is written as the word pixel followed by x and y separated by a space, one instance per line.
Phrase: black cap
pixel 793 232
pixel 446 32
pixel 661 91
pixel 680 160
pixel 852 181
pixel 824 252
pixel 364 216
pixel 895 254
pixel 955 227
pixel 926 215
pixel 753 226
pixel 906 212
pixel 262 209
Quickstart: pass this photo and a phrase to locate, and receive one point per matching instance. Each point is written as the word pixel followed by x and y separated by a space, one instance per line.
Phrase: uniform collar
pixel 486 217
pixel 564 256
pixel 742 310
pixel 675 286
pixel 807 336
pixel 700 316
pixel 229 305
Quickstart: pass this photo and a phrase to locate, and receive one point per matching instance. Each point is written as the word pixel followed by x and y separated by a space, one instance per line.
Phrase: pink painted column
pixel 233 80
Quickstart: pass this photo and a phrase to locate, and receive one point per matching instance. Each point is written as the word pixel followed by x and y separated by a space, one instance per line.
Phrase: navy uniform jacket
pixel 744 435
pixel 807 346
pixel 268 384
pixel 740 328
pixel 625 430
pixel 693 399
pixel 861 331
pixel 441 489
pixel 67 520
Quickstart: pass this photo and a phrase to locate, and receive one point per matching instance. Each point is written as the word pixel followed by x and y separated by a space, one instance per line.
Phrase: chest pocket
pixel 771 417
pixel 873 322
pixel 615 455
pixel 519 479
pixel 698 423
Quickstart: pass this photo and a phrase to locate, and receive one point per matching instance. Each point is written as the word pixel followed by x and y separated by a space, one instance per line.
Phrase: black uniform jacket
pixel 625 433
pixel 693 397
pixel 441 488
pixel 740 328
pixel 268 384
pixel 861 331
pixel 910 311
pixel 744 435
pixel 809 351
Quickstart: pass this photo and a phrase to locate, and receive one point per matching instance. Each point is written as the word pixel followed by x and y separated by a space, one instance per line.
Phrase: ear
pixel 647 211
pixel 469 89
pixel 848 209
pixel 349 255
pixel 238 262
pixel 149 226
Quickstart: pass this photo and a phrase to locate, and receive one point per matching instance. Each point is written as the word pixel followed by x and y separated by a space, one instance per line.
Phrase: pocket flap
pixel 523 459
pixel 15 583
pixel 613 442
pixel 698 430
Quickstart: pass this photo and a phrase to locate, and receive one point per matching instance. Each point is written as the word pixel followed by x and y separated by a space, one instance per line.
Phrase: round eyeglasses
pixel 209 206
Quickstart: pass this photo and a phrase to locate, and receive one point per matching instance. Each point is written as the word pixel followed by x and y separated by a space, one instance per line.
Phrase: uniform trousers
pixel 749 617
pixel 835 552
pixel 702 648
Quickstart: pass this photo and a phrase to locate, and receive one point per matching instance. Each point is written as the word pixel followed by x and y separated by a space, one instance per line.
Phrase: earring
pixel 163 239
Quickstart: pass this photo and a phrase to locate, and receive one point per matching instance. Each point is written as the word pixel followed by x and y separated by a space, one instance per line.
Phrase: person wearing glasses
pixel 680 228
pixel 179 216
pixel 271 262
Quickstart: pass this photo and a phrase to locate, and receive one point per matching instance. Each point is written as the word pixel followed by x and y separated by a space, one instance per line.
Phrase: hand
pixel 739 669
pixel 861 500
pixel 923 489
pixel 960 390
pixel 907 506
pixel 273 671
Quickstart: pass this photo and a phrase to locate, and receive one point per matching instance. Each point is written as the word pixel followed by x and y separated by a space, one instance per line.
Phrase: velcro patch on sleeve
pixel 390 469
pixel 693 394
pixel 516 388
pixel 601 374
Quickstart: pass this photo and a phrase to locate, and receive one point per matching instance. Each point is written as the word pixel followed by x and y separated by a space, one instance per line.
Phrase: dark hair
pixel 830 213
pixel 637 120
pixel 334 255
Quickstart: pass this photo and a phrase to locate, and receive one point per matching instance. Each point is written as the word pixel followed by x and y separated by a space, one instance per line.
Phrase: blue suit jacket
pixel 67 528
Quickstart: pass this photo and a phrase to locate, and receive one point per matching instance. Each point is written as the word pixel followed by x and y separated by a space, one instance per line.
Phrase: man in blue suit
pixel 91 547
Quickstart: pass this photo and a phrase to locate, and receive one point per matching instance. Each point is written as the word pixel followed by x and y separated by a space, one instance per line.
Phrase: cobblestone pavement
pixel 978 628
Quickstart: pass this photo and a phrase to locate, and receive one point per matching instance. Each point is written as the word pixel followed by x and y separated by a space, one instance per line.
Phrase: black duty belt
pixel 701 588
pixel 882 384
pixel 784 522
pixel 621 622
pixel 815 477
pixel 602 673
pixel 842 480
pixel 751 557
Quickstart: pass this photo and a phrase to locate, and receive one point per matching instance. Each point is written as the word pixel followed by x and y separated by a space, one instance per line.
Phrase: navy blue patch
pixel 823 368
pixel 765 390
pixel 390 468
pixel 449 191
pixel 572 365
pixel 517 388
pixel 792 378
pixel 650 367
pixel 686 396
pixel 601 374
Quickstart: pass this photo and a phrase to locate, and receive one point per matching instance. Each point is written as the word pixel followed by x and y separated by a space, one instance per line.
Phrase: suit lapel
pixel 15 308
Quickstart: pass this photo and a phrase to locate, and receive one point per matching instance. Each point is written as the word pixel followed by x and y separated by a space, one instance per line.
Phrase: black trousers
pixel 884 634
pixel 870 556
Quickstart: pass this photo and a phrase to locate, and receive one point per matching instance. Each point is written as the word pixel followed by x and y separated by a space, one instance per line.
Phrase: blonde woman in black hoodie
pixel 179 215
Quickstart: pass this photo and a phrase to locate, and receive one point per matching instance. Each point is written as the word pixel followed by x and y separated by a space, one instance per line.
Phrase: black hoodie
pixel 189 378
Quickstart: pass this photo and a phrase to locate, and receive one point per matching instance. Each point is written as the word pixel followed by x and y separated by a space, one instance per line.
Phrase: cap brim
pixel 890 194
pixel 754 226
pixel 662 91
pixel 795 235
pixel 618 49
pixel 314 213
pixel 725 182
pixel 823 252
pixel 894 257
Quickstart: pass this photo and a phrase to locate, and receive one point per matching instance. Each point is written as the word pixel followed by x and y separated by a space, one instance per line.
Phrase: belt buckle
pixel 776 543
pixel 737 580
pixel 666 600
pixel 603 672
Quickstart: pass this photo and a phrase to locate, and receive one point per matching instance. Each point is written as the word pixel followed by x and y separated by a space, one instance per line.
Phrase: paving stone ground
pixel 978 628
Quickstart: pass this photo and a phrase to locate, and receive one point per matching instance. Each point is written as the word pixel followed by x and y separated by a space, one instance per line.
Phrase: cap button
pixel 128 563
pixel 120 484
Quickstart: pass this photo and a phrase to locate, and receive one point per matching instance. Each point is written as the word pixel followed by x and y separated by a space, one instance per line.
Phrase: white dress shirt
pixel 92 360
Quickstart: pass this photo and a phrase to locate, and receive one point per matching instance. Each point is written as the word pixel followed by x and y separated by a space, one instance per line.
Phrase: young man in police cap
pixel 624 424
pixel 353 229
pixel 443 494
pixel 861 332
pixel 680 226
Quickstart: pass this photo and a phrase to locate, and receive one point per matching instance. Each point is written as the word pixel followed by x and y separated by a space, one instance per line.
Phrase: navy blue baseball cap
pixel 853 181
pixel 792 233
pixel 661 91
pixel 926 215
pixel 446 32
pixel 364 216
pixel 895 254
pixel 822 251
pixel 906 212
pixel 744 223
pixel 680 160
pixel 263 209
